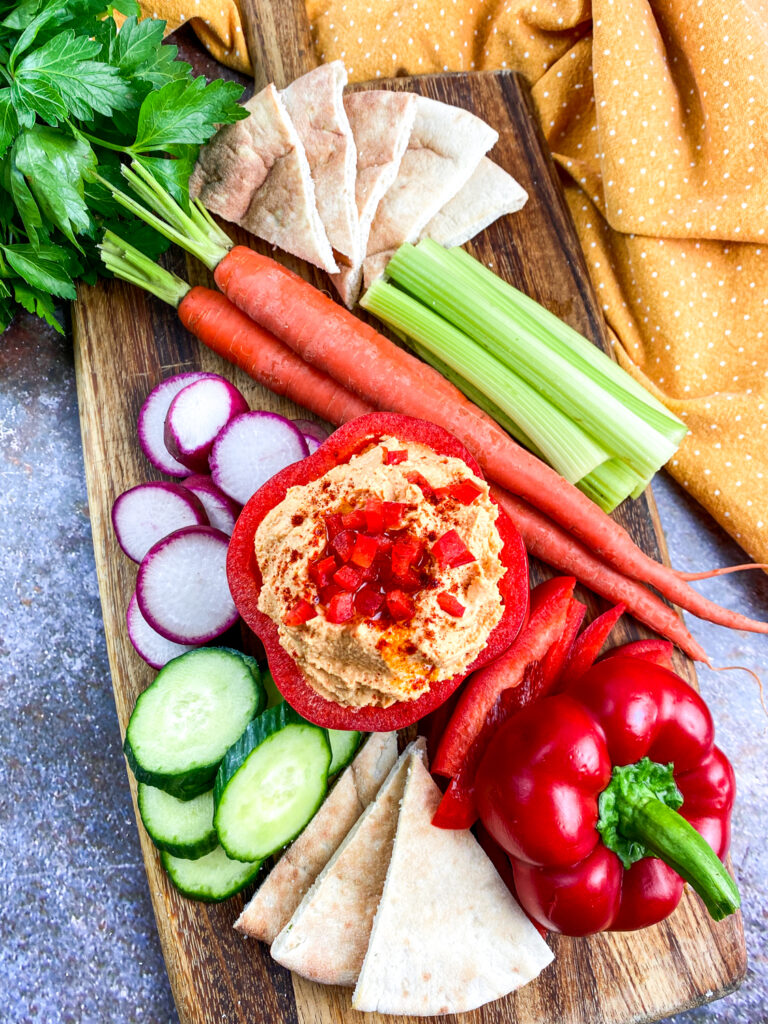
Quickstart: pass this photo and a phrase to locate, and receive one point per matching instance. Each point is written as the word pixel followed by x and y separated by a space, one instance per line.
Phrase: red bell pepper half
pixel 582 789
pixel 245 579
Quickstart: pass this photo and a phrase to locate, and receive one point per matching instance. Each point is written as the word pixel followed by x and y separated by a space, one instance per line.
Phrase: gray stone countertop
pixel 77 936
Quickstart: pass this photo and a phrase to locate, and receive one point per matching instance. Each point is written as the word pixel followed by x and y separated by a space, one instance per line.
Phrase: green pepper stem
pixel 667 835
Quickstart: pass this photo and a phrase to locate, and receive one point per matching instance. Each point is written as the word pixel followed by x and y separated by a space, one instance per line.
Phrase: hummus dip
pixel 379 660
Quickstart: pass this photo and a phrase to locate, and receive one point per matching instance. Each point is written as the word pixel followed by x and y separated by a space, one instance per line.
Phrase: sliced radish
pixel 222 511
pixel 251 449
pixel 182 586
pixel 195 417
pixel 312 443
pixel 151 424
pixel 145 514
pixel 310 428
pixel 153 648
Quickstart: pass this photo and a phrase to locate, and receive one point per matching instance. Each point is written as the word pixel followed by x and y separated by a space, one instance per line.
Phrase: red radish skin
pixel 251 449
pixel 196 416
pixel 311 429
pixel 149 645
pixel 151 422
pixel 222 511
pixel 551 544
pixel 312 443
pixel 366 363
pixel 215 321
pixel 182 589
pixel 148 512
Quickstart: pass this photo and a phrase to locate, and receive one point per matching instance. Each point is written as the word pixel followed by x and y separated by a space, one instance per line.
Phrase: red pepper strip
pixel 654 649
pixel 479 696
pixel 553 662
pixel 501 862
pixel 588 645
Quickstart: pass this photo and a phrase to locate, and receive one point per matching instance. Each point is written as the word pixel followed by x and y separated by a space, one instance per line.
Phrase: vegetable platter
pixel 125 344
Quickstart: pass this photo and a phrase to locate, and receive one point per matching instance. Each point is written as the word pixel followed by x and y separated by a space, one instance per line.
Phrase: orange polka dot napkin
pixel 656 112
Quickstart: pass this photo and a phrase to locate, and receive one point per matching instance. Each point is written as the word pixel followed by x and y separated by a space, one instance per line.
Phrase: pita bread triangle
pixel 316 108
pixel 327 937
pixel 278 896
pixel 258 176
pixel 489 194
pixel 447 936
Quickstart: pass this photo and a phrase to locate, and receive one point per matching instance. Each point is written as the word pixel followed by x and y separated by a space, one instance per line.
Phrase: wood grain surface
pixel 125 343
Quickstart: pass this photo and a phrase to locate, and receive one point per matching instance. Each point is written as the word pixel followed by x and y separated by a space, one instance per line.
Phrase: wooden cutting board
pixel 125 343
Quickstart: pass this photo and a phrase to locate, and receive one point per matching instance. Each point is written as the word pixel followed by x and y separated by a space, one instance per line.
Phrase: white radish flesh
pixel 310 428
pixel 182 588
pixel 145 514
pixel 251 449
pixel 222 511
pixel 151 424
pixel 195 417
pixel 153 648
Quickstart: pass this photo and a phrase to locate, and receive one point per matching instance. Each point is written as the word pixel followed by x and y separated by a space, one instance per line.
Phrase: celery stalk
pixel 429 273
pixel 562 338
pixel 563 443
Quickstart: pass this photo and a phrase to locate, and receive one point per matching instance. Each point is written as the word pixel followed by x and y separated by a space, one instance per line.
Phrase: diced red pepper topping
pixel 450 604
pixel 408 581
pixel 451 551
pixel 394 458
pixel 364 550
pixel 354 520
pixel 344 544
pixel 441 493
pixel 405 552
pixel 424 485
pixel 400 605
pixel 327 594
pixel 347 578
pixel 300 613
pixel 374 515
pixel 340 608
pixel 321 573
pixel 334 524
pixel 392 513
pixel 369 601
pixel 465 491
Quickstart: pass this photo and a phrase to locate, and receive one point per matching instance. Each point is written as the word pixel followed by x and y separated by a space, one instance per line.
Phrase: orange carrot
pixel 363 361
pixel 212 318
pixel 708 574
pixel 551 544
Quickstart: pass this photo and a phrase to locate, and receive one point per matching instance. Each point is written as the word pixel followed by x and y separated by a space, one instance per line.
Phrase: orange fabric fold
pixel 656 114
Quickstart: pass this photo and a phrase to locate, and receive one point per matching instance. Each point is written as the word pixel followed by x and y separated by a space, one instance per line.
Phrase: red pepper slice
pixel 392 514
pixel 344 544
pixel 333 524
pixel 245 579
pixel 587 645
pixel 405 552
pixel 653 649
pixel 354 520
pixel 423 484
pixel 374 515
pixel 450 604
pixel 301 612
pixel 347 578
pixel 394 458
pixel 340 608
pixel 465 491
pixel 321 573
pixel 400 605
pixel 369 601
pixel 364 551
pixel 451 551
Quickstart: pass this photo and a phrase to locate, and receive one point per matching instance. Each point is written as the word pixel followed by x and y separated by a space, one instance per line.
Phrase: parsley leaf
pixel 36 301
pixel 185 113
pixel 9 122
pixel 46 267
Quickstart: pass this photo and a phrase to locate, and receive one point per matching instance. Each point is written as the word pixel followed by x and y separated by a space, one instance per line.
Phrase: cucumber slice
pixel 181 827
pixel 184 723
pixel 211 878
pixel 344 744
pixel 270 783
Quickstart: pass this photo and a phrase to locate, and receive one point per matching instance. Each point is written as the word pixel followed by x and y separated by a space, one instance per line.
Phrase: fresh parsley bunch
pixel 77 98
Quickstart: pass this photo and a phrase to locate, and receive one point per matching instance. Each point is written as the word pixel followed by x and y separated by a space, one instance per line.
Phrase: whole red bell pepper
pixel 582 790
pixel 245 578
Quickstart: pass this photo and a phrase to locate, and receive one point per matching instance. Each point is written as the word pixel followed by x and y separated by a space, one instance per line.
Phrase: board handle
pixel 278 39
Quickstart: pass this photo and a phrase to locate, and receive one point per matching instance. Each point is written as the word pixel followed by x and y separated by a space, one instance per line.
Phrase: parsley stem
pixel 104 145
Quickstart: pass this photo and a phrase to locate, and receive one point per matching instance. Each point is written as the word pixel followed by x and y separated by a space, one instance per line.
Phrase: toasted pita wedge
pixel 447 936
pixel 445 147
pixel 315 105
pixel 327 937
pixel 258 176
pixel 381 122
pixel 280 893
pixel 489 194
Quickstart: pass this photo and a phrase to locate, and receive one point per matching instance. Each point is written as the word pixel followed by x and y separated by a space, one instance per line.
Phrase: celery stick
pixel 562 338
pixel 430 275
pixel 563 443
